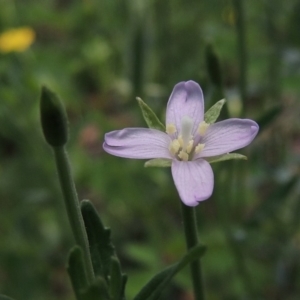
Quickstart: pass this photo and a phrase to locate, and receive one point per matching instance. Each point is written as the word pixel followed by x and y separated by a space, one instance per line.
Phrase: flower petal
pixel 139 143
pixel 194 180
pixel 227 136
pixel 186 100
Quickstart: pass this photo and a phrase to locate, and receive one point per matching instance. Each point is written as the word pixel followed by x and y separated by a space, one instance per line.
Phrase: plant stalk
pixel 72 206
pixel 191 237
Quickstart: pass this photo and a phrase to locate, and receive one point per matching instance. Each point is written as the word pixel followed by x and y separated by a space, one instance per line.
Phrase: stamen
pixel 170 129
pixel 190 146
pixel 199 148
pixel 186 130
pixel 183 156
pixel 202 128
pixel 174 147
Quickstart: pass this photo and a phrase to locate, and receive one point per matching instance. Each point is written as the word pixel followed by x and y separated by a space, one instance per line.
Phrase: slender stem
pixel 191 237
pixel 72 206
pixel 242 48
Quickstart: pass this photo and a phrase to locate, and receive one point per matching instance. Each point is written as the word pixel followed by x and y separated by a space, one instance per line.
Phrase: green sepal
pixel 98 290
pixel 213 113
pixel 77 271
pixel 53 119
pixel 3 297
pixel 223 157
pixel 153 289
pixel 158 162
pixel 150 117
pixel 117 280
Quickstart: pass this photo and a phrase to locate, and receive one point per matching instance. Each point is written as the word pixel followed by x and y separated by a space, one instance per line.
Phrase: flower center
pixel 183 146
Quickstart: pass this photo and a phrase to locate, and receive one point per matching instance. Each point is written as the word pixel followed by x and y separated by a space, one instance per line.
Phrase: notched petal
pixel 194 180
pixel 186 100
pixel 227 136
pixel 139 143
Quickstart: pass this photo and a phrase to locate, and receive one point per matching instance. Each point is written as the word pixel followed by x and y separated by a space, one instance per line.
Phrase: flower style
pixel 188 142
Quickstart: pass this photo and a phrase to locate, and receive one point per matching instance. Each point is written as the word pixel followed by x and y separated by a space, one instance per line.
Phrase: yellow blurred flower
pixel 17 39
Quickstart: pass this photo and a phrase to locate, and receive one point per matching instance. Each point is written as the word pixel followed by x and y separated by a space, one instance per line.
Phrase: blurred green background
pixel 98 56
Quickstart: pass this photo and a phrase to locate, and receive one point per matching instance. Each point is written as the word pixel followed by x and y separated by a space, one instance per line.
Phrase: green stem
pixel 191 237
pixel 72 206
pixel 242 48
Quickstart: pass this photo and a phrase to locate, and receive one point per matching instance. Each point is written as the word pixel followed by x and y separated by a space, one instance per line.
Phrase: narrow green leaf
pixel 213 113
pixel 158 162
pixel 153 289
pixel 3 297
pixel 124 281
pixel 227 156
pixel 96 291
pixel 213 66
pixel 116 280
pixel 99 239
pixel 150 117
pixel 77 271
pixel 268 117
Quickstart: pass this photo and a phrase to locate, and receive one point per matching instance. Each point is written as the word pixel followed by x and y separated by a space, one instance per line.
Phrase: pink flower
pixel 188 141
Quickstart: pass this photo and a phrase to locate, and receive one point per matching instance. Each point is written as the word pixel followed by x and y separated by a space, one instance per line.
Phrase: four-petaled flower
pixel 188 141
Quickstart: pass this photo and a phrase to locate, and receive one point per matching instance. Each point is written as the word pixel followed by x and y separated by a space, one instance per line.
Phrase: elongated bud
pixel 53 119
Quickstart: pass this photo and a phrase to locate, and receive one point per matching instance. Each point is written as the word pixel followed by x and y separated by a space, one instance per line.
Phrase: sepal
pixel 158 162
pixel 223 157
pixel 213 113
pixel 149 116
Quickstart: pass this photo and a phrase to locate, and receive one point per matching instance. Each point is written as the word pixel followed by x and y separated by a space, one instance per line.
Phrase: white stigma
pixel 186 131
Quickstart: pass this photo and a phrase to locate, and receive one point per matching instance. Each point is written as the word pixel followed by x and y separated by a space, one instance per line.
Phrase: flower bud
pixel 53 119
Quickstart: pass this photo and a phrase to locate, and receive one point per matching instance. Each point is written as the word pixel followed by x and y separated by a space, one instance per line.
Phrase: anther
pixel 183 156
pixel 203 128
pixel 190 146
pixel 199 148
pixel 174 147
pixel 170 129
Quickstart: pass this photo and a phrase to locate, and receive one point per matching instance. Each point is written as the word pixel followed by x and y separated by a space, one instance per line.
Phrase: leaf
pixel 153 289
pixel 223 157
pixel 96 291
pixel 3 297
pixel 268 117
pixel 213 66
pixel 117 284
pixel 103 254
pixel 158 162
pixel 101 247
pixel 77 271
pixel 213 113
pixel 150 117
